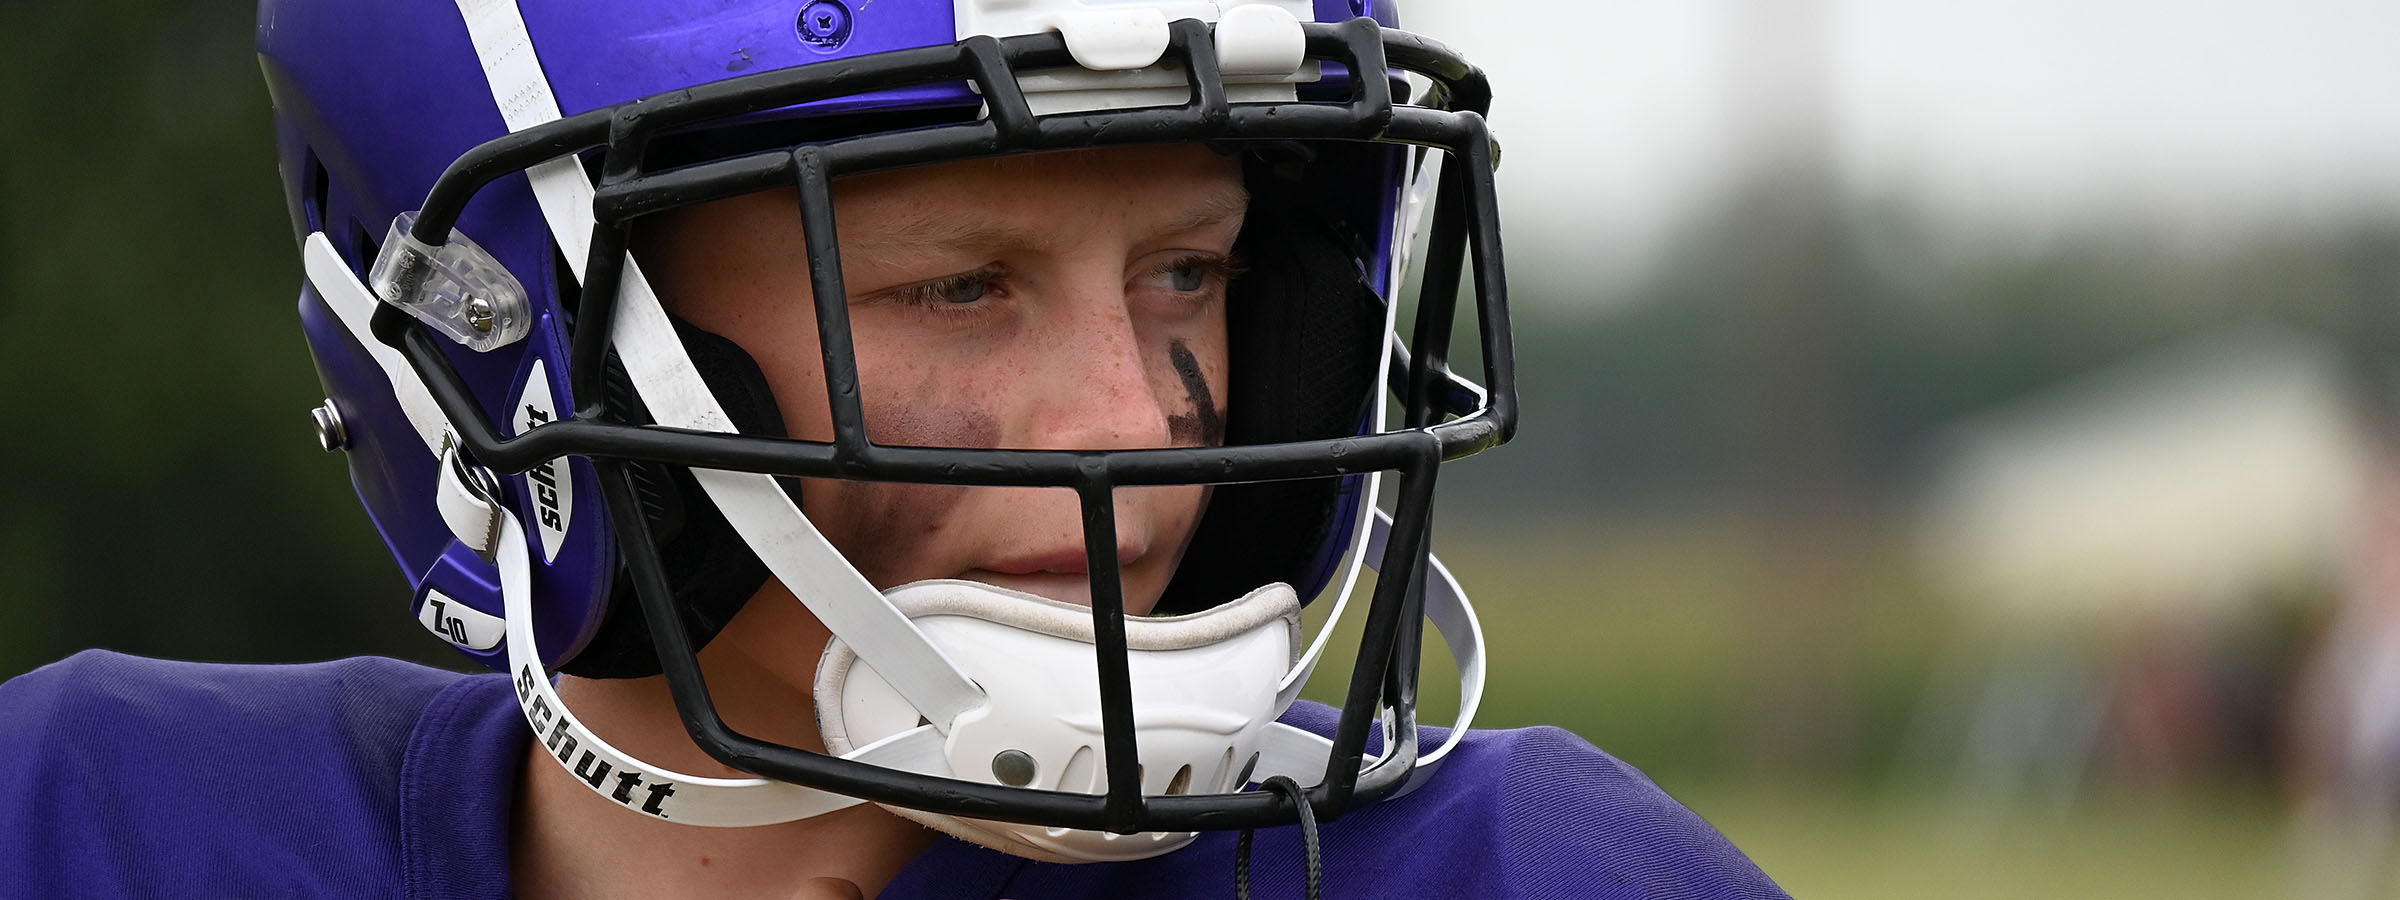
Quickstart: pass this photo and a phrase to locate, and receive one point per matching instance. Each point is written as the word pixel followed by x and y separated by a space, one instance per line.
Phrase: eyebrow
pixel 1219 208
pixel 938 230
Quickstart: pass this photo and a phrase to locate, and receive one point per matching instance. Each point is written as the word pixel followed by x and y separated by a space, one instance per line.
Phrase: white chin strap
pixel 1207 689
pixel 638 785
pixel 1004 682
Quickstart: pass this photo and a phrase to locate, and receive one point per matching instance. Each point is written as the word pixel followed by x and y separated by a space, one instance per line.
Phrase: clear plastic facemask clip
pixel 456 288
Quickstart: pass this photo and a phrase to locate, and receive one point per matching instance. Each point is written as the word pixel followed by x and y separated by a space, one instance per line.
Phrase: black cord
pixel 1308 839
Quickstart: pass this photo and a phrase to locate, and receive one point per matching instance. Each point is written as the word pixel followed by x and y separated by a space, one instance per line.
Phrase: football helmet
pixel 574 480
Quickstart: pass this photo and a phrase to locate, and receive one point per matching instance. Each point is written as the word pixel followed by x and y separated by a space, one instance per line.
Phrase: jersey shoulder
pixel 131 775
pixel 1540 812
pixel 1524 814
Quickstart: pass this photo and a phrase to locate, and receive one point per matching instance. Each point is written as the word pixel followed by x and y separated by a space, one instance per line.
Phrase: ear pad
pixel 1303 327
pixel 710 569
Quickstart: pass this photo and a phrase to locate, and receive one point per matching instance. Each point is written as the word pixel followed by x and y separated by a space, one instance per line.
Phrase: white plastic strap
pixel 1416 197
pixel 1289 689
pixel 469 510
pixel 648 789
pixel 525 100
pixel 670 386
pixel 1454 619
pixel 355 306
pixel 1302 755
pixel 1294 753
pixel 1364 532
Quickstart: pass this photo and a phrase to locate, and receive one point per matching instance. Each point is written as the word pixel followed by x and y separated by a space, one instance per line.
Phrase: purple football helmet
pixel 573 480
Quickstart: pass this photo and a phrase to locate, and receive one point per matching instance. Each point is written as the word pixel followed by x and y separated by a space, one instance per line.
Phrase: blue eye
pixel 1190 275
pixel 1193 274
pixel 963 289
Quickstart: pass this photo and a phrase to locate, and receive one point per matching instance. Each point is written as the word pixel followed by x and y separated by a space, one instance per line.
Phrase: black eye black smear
pixel 1203 427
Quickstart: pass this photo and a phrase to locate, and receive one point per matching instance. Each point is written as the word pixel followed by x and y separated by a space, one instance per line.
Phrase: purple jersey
pixel 374 778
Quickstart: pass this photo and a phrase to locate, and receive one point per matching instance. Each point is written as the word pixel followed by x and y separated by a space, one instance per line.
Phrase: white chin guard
pixel 1204 686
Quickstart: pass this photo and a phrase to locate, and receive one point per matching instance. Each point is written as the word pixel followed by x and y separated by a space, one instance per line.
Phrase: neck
pixel 571 842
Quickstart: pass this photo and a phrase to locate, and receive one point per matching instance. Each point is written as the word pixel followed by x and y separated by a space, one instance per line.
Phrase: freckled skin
pixel 894 517
pixel 1204 426
pixel 1085 340
pixel 1078 346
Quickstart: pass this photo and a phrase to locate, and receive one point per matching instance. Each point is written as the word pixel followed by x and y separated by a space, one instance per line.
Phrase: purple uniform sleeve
pixel 362 778
pixel 131 777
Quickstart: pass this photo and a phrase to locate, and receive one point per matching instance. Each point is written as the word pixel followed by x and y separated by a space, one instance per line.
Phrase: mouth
pixel 1062 574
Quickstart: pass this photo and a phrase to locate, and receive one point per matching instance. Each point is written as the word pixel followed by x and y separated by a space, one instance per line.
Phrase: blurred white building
pixel 2143 514
pixel 2186 485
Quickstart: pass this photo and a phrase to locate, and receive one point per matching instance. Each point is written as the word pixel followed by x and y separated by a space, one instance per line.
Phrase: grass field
pixel 1871 845
pixel 1648 643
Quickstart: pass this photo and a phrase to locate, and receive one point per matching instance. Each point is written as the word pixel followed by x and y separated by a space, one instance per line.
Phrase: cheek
pixel 784 347
pixel 892 531
pixel 887 530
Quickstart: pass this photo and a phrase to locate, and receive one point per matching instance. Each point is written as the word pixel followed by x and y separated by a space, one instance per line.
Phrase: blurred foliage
pixel 165 494
pixel 1626 388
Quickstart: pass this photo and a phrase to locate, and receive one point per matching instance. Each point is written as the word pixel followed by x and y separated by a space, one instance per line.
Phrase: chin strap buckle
pixel 468 497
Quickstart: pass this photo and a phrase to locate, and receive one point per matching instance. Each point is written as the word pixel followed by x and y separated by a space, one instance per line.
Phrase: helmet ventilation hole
pixel 1080 773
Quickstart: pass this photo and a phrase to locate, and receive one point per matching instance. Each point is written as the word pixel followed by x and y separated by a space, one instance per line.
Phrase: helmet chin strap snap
pixel 465 497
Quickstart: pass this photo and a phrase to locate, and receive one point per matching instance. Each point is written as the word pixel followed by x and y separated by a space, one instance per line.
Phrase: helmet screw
pixel 479 313
pixel 1013 767
pixel 328 420
pixel 825 23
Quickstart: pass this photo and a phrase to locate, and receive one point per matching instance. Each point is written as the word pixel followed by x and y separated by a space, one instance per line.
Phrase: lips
pixel 1059 574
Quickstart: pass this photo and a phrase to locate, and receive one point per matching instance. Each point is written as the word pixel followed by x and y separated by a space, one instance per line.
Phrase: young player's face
pixel 1071 300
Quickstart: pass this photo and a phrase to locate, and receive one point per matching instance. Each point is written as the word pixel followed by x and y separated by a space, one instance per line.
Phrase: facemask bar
pixel 1385 673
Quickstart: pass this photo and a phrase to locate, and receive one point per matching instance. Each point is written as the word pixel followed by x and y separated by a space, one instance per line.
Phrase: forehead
pixel 1163 189
pixel 1132 168
pixel 945 213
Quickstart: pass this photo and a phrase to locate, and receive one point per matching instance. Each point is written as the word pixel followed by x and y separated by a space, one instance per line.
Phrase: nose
pixel 1097 388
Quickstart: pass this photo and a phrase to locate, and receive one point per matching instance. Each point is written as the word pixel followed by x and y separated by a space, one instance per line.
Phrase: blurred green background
pixel 1776 266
